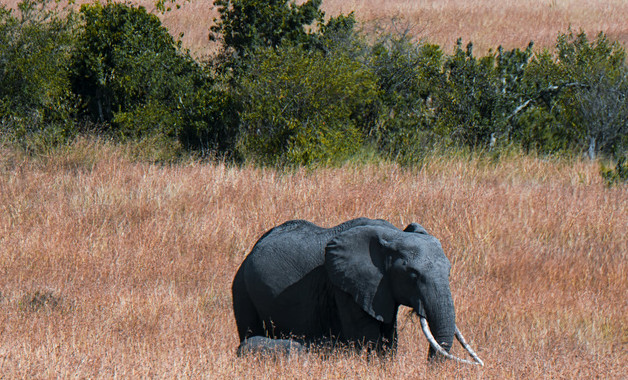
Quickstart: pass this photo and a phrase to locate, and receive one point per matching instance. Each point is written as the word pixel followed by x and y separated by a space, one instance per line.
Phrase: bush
pixel 407 75
pixel 542 102
pixel 35 91
pixel 437 101
pixel 578 102
pixel 293 89
pixel 135 81
pixel 248 24
pixel 125 59
pixel 617 175
pixel 304 107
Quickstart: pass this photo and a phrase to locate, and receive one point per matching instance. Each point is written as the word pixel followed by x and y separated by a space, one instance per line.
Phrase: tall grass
pixel 488 23
pixel 113 268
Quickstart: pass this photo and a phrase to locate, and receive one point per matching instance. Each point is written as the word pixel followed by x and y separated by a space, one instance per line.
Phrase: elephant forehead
pixel 419 245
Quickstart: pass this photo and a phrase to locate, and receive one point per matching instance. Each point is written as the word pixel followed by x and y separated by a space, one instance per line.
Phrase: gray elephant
pixel 263 345
pixel 304 285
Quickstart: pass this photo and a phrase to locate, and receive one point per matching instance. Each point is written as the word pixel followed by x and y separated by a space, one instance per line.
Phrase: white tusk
pixel 439 349
pixel 467 347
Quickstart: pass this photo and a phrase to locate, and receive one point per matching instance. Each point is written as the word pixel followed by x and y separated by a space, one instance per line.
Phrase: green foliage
pixel 35 92
pixel 580 96
pixel 163 6
pixel 577 56
pixel 407 74
pixel 575 99
pixel 469 99
pixel 247 24
pixel 617 175
pixel 125 58
pixel 438 101
pixel 292 89
pixel 136 82
pixel 304 107
pixel 479 96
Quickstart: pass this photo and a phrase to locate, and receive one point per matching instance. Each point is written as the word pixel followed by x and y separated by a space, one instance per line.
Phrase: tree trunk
pixel 592 148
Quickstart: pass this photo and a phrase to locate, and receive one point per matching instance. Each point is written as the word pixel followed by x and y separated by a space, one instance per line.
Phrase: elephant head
pixel 382 268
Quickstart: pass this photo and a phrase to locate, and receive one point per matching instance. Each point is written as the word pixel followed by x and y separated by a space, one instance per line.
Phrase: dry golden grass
pixel 110 268
pixel 488 23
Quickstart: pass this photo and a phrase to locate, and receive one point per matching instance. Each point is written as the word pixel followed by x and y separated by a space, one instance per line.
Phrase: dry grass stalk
pixel 488 23
pixel 139 259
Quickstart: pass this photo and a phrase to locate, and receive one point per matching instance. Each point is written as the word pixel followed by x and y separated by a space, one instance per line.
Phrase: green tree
pixel 247 24
pixel 35 91
pixel 125 58
pixel 468 101
pixel 136 81
pixel 576 97
pixel 408 74
pixel 601 101
pixel 304 107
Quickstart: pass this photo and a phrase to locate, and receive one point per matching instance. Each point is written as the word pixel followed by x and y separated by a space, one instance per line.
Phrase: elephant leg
pixel 357 327
pixel 388 341
pixel 246 316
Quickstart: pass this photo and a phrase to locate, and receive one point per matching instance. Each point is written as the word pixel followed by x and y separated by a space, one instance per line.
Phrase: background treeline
pixel 292 87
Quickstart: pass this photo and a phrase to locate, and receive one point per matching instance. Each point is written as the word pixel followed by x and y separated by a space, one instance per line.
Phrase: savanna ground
pixel 113 268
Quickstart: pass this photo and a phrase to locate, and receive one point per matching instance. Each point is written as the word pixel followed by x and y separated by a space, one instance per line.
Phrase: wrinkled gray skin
pixel 266 346
pixel 344 285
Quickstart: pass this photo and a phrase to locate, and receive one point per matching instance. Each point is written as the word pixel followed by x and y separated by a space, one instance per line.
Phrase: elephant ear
pixel 355 261
pixel 416 228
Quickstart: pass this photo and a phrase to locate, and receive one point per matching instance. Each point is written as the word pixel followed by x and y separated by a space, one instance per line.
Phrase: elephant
pixel 263 345
pixel 303 285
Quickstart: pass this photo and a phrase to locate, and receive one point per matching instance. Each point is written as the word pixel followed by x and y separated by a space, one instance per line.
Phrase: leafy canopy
pixel 247 24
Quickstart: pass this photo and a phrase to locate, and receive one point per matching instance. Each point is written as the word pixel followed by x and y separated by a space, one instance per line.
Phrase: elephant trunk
pixel 441 317
pixel 442 321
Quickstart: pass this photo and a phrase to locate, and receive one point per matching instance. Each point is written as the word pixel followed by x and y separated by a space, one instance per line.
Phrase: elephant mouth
pixel 437 347
pixel 418 310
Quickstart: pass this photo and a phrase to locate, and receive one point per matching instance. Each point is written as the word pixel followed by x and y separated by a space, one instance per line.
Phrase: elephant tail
pixel 246 316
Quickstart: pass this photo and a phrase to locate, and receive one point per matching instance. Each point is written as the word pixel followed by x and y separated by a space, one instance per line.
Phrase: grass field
pixel 110 268
pixel 488 23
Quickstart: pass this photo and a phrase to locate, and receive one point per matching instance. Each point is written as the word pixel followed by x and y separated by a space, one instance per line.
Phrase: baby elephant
pixel 265 346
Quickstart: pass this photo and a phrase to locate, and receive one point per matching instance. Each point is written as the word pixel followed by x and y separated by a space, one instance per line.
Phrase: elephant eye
pixel 404 263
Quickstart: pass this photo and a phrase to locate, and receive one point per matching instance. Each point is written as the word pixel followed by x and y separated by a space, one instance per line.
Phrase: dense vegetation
pixel 293 87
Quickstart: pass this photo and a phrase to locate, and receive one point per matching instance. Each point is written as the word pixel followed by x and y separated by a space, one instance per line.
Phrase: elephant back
pixel 289 252
pixel 282 257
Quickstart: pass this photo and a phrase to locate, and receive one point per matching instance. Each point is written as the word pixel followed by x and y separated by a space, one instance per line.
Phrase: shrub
pixel 125 58
pixel 617 175
pixel 292 89
pixel 35 92
pixel 602 107
pixel 479 95
pixel 247 24
pixel 407 75
pixel 434 100
pixel 578 101
pixel 136 81
pixel 304 107
pixel 467 99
